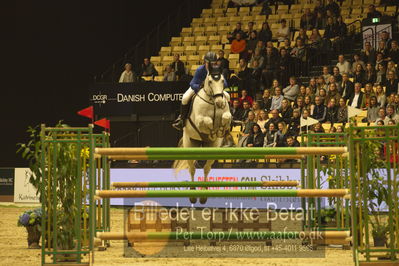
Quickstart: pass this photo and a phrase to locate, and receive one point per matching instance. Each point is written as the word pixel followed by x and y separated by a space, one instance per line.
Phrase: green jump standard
pixel 313 193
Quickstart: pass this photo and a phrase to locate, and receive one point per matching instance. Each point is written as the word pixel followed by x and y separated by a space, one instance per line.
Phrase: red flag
pixel 103 123
pixel 87 112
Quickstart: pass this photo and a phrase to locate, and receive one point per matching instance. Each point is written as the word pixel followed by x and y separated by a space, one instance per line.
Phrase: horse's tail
pixel 180 165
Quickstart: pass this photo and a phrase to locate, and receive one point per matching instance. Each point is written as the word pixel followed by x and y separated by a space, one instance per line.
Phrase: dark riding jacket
pixel 199 78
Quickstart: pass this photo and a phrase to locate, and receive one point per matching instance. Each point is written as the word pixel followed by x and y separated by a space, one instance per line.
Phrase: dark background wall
pixel 51 51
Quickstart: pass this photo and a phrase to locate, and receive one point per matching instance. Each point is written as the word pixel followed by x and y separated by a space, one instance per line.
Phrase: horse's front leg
pixel 191 169
pixel 225 126
pixel 205 124
pixel 207 169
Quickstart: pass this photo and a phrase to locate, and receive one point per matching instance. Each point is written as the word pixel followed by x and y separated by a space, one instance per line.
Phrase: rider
pixel 195 86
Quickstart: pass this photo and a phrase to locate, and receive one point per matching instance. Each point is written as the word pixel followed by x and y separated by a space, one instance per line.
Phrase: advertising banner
pixel 6 184
pixel 24 192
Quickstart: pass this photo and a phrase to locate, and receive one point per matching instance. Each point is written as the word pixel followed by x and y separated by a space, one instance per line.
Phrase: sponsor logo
pixel 99 98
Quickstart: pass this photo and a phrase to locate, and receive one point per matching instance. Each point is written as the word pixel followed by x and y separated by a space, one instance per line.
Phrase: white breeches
pixel 187 96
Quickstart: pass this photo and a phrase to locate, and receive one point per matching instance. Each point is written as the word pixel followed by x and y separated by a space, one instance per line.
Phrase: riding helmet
pixel 210 57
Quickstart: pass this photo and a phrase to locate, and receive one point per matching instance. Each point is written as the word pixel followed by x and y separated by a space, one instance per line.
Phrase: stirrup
pixel 179 124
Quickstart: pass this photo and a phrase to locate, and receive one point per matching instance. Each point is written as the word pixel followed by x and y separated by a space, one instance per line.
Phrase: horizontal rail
pixel 199 157
pixel 207 184
pixel 313 193
pixel 262 235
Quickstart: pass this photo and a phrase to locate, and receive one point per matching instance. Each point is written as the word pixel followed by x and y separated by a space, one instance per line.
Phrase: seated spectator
pixel 333 80
pixel 265 34
pixel 246 107
pixel 232 35
pixel 386 39
pixel 337 76
pixel 295 123
pixel 357 100
pixel 333 7
pixel 299 53
pixel 270 45
pixel 284 65
pixel 391 67
pixel 382 117
pixel 311 89
pixel 224 64
pixel 286 45
pixel 319 110
pixel 236 111
pixel 281 134
pixel 250 29
pixel 373 13
pixel 269 67
pixel 248 125
pixel 359 75
pixel 238 45
pixel 380 60
pixel 320 21
pixel 251 43
pixel 291 91
pixel 391 84
pixel 275 119
pixel 380 94
pixel 262 119
pixel 292 142
pixel 148 69
pixel 341 35
pixel 326 73
pixel 277 99
pixel 305 115
pixel 302 35
pixel 381 75
pixel 299 104
pixel 286 111
pixel 372 110
pixel 379 123
pixel 333 93
pixel 346 87
pixel 256 73
pixel 255 139
pixel 302 92
pixel 332 111
pixel 256 109
pixel 169 74
pixel 315 40
pixel 340 129
pixel 257 56
pixel 382 48
pixel 331 30
pixel 357 61
pixel 128 75
pixel 368 92
pixel 307 21
pixel 369 75
pixel 393 53
pixel 270 139
pixel 342 115
pixel 343 65
pixel 266 100
pixel 368 55
pixel 178 66
pixel 243 78
pixel 275 84
pixel 318 128
pixel 318 8
pixel 283 32
pixel 261 47
pixel 245 97
pixel 390 112
pixel 392 123
pixel 321 84
pixel 307 103
pixel 322 95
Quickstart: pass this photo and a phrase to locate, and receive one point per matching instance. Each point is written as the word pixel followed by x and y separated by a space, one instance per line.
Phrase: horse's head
pixel 214 85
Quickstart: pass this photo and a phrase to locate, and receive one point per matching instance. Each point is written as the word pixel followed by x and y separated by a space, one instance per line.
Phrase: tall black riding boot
pixel 180 121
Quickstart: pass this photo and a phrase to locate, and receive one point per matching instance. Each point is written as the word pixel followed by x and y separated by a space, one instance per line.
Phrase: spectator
pixel 245 97
pixel 320 21
pixel 262 119
pixel 256 74
pixel 277 99
pixel 255 139
pixel 232 35
pixel 391 84
pixel 291 142
pixel 390 112
pixel 300 55
pixel 270 67
pixel 380 60
pixel 128 75
pixel 382 48
pixel 294 125
pixel 291 91
pixel 332 111
pixel 148 69
pixel 312 87
pixel 319 111
pixel 326 73
pixel 307 20
pixel 381 75
pixel 244 77
pixel 393 53
pixel 286 111
pixel 368 92
pixel 261 47
pixel 322 95
pixel 256 109
pixel 286 45
pixel 265 34
pixel 315 41
pixel 391 67
pixel 236 111
pixel 382 117
pixel 224 64
pixel 342 115
pixel 333 80
pixel 270 139
pixel 284 65
pixel 302 35
pixel 270 45
pixel 387 40
pixel 246 106
pixel 318 128
pixel 368 55
pixel 281 134
pixel 373 13
pixel 396 103
pixel 331 30
pixel 248 125
pixel 318 8
pixel 357 61
pixel 299 104
pixel 357 99
pixel 346 87
pixel 250 30
pixel 266 100
pixel 305 115
pixel 307 103
pixel 340 129
pixel 283 32
pixel 178 67
pixel 302 92
pixel 343 65
pixel 379 123
pixel 170 74
pixel 391 123
pixel 372 110
pixel 370 76
pixel 337 76
pixel 251 43
pixel 380 94
pixel 257 56
pixel 333 93
pixel 275 119
pixel 359 75
pixel 275 84
pixel 238 45
pixel 333 7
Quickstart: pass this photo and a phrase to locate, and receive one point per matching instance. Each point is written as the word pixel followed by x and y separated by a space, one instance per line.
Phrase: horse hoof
pixel 193 200
pixel 203 200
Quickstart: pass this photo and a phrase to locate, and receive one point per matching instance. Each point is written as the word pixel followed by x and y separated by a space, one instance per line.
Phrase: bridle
pixel 216 76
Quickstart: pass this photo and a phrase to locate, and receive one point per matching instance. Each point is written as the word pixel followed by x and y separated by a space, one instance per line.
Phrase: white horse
pixel 208 122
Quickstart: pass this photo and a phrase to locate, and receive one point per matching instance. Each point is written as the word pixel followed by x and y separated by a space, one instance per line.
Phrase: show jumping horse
pixel 207 124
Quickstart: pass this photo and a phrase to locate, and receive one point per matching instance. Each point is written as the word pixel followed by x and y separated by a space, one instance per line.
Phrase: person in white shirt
pixel 276 99
pixel 356 100
pixel 283 32
pixel 343 65
pixel 292 90
pixel 128 75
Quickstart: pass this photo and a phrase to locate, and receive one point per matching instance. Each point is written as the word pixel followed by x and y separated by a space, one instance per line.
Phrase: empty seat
pixel 209 21
pixel 244 10
pixel 224 39
pixel 198 31
pixel 211 30
pixel 160 70
pixel 223 29
pixel 188 40
pixel 175 41
pixel 193 69
pixel 231 11
pixel 201 40
pixel 216 47
pixel 256 10
pixel 178 49
pixel 282 9
pixel 260 18
pixel 167 60
pixel 390 10
pixel 191 50
pixel 186 32
pixel 234 20
pixel 247 19
pixel 274 17
pixel 204 48
pixel 222 21
pixel 214 39
pixel 155 60
pixel 206 12
pixel 165 51
pixel 218 12
pixel 297 8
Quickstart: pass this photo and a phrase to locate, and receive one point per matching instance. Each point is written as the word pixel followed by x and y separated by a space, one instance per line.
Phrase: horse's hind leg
pixel 207 169
pixel 191 169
